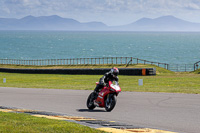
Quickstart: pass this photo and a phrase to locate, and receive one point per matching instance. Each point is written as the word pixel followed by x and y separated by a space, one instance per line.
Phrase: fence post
pixel 197 66
pixel 131 60
pixel 177 67
pixel 185 67
pixel 112 60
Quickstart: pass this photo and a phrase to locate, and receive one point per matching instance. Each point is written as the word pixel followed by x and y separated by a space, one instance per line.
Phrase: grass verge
pixel 164 81
pixel 17 123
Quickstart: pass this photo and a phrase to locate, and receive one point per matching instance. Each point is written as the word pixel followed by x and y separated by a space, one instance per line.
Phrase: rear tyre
pixel 90 101
pixel 110 102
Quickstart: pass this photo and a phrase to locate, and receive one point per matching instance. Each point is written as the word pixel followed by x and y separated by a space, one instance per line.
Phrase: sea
pixel 164 47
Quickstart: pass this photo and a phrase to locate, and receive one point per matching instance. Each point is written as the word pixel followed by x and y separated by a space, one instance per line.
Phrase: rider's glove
pixel 104 84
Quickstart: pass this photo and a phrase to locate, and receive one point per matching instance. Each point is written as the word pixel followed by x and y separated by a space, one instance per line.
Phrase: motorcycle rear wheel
pixel 90 101
pixel 110 103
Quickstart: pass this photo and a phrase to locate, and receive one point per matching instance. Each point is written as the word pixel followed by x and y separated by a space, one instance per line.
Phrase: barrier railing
pixel 81 61
pixel 100 61
pixel 181 67
pixel 196 65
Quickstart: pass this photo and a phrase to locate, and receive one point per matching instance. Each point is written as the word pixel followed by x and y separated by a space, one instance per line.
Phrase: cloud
pixel 193 6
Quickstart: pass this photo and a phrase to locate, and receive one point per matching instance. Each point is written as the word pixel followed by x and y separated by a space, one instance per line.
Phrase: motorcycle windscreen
pixel 116 87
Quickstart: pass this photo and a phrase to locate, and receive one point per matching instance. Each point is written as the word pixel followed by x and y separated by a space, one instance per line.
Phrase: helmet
pixel 114 71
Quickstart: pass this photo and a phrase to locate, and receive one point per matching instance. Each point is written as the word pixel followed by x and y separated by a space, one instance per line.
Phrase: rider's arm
pixel 102 80
pixel 117 79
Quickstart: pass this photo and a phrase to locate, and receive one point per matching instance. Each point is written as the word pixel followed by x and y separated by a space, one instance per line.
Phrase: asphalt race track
pixel 165 111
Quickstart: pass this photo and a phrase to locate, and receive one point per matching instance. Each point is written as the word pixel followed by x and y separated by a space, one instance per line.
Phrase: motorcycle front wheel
pixel 90 101
pixel 110 102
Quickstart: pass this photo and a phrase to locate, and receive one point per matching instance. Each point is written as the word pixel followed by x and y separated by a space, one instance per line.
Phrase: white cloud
pixel 193 6
pixel 31 3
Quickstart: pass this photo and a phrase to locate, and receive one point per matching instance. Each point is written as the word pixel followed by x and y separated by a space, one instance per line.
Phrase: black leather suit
pixel 104 80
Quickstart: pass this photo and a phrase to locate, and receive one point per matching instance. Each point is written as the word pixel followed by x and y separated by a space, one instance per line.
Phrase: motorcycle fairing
pixel 100 99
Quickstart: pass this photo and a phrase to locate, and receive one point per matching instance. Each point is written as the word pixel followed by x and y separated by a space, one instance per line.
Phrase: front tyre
pixel 90 101
pixel 110 102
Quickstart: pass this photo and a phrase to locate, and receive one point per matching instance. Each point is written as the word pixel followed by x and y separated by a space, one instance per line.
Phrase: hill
pixel 54 22
pixel 164 23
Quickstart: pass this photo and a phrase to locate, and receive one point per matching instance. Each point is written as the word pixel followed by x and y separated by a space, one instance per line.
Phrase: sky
pixel 110 12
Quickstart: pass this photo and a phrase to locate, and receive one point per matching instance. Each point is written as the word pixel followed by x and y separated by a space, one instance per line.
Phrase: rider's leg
pixel 97 90
pixel 98 87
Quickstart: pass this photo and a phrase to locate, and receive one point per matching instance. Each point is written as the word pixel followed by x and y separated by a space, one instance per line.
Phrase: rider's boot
pixel 96 91
pixel 96 95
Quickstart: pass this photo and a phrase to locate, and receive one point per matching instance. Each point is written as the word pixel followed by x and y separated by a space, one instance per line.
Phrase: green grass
pixel 173 83
pixel 164 81
pixel 197 71
pixel 176 83
pixel 18 123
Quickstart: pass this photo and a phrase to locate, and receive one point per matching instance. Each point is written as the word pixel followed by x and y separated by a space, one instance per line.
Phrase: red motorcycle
pixel 106 97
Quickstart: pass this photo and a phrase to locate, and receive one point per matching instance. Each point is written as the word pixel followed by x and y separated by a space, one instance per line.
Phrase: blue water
pixel 165 47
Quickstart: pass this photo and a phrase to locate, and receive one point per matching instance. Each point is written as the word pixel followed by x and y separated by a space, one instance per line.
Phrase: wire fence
pixel 81 61
pixel 99 61
pixel 181 67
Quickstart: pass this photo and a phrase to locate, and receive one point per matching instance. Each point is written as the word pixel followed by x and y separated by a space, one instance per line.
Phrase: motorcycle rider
pixel 109 76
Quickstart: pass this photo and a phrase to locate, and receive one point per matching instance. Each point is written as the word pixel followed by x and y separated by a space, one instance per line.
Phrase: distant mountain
pixel 54 22
pixel 164 23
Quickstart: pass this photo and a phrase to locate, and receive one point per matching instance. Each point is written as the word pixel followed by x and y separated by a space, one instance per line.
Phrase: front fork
pixel 108 100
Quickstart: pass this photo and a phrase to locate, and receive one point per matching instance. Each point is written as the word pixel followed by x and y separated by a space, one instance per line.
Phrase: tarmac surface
pixel 164 111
